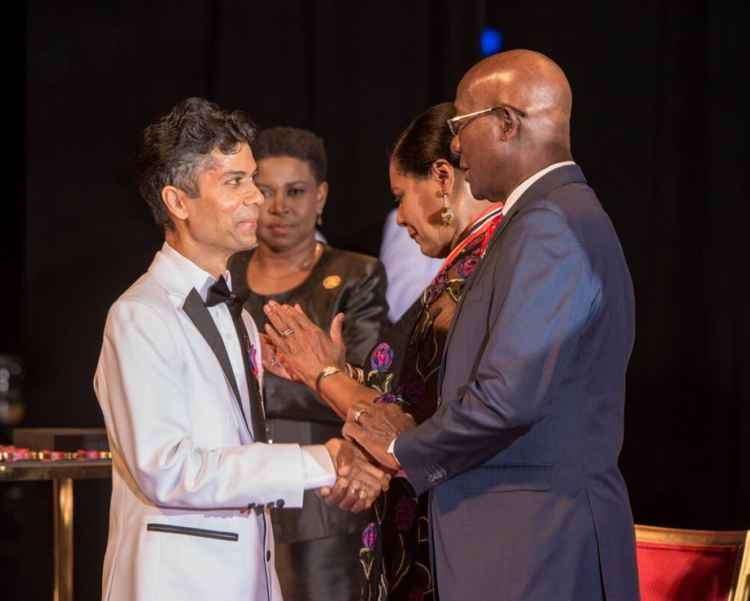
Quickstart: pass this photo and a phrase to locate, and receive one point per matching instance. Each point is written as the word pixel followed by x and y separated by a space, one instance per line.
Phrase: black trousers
pixel 324 569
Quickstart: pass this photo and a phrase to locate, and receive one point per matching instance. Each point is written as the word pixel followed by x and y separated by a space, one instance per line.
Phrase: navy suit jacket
pixel 526 497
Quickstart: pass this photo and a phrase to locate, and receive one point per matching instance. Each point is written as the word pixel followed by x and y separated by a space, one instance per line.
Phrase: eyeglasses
pixel 457 123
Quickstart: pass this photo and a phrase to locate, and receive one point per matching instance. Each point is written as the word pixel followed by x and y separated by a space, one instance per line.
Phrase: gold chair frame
pixel 740 586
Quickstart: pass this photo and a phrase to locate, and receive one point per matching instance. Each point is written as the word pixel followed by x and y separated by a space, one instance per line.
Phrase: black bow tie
pixel 220 293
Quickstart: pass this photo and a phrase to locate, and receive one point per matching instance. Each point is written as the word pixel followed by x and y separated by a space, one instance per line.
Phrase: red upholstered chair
pixel 693 565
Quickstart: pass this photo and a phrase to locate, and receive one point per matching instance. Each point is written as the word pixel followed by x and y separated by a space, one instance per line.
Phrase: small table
pixel 62 473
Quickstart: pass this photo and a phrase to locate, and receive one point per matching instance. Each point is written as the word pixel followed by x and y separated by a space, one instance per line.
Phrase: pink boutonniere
pixel 253 356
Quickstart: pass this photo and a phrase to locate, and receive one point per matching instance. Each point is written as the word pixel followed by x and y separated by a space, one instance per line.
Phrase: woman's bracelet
pixel 355 373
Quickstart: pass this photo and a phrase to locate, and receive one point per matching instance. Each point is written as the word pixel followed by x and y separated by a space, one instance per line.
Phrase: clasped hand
pixel 358 482
pixel 375 426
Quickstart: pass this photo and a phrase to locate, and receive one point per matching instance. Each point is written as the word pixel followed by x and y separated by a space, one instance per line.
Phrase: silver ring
pixel 357 414
pixel 287 332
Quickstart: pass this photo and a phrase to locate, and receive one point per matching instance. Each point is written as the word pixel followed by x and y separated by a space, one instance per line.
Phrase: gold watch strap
pixel 325 372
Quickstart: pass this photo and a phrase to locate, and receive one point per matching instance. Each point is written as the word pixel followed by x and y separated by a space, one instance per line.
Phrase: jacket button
pixel 268 556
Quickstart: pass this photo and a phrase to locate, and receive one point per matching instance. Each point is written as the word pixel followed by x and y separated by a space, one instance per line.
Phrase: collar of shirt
pixel 190 275
pixel 526 184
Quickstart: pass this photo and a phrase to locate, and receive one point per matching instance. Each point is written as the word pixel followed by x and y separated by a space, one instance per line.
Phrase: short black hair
pixel 424 141
pixel 293 142
pixel 173 147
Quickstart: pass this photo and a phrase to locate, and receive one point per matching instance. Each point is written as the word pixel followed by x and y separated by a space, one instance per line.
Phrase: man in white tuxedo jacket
pixel 179 381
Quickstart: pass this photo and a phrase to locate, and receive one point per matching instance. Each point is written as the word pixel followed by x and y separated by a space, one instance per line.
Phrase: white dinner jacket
pixel 184 466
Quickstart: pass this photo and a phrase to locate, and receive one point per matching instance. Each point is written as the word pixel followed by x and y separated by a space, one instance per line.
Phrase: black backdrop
pixel 658 127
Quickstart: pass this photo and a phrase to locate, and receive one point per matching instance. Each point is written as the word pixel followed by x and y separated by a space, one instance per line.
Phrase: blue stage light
pixel 491 41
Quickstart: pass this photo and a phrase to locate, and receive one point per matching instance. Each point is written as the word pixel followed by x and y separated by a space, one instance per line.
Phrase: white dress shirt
pixel 526 184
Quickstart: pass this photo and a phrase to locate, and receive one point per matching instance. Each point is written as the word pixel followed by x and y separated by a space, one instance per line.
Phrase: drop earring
pixel 446 213
pixel 319 220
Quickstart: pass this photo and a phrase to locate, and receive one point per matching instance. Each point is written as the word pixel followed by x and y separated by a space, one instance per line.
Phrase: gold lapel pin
pixel 331 282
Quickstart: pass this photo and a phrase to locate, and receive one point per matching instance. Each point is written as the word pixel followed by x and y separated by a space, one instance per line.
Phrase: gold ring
pixel 287 332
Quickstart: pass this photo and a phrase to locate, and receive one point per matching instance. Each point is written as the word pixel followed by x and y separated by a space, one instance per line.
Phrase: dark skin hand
pixel 305 350
pixel 374 427
pixel 272 361
pixel 358 482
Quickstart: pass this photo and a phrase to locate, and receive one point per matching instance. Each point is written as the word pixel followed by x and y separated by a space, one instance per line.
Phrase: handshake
pixel 363 465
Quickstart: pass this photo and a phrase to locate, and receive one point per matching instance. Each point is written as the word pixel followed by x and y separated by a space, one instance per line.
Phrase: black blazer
pixel 341 281
pixel 521 457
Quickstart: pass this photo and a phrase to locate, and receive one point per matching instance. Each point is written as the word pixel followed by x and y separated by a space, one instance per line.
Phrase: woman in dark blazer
pixel 316 546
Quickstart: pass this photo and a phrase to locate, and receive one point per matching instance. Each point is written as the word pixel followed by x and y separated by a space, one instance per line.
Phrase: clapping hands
pixel 295 348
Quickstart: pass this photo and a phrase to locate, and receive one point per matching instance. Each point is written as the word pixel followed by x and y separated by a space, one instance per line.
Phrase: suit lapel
pixel 470 283
pixel 201 318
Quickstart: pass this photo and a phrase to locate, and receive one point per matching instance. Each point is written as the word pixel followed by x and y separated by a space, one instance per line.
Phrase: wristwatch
pixel 325 372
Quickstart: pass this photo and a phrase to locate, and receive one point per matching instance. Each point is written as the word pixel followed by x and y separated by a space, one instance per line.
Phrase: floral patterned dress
pixel 404 368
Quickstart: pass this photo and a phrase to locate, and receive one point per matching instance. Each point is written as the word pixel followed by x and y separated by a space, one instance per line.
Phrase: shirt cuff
pixel 392 451
pixel 317 467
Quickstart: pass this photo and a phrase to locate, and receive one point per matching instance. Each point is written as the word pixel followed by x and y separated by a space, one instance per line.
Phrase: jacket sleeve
pixel 366 312
pixel 548 293
pixel 141 385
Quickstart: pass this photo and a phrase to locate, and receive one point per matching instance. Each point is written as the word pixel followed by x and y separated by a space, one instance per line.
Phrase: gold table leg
pixel 63 508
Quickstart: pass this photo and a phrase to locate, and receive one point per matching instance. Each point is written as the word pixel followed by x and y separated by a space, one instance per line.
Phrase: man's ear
pixel 509 124
pixel 321 196
pixel 176 202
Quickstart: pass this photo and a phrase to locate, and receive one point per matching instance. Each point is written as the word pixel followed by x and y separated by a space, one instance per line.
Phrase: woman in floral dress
pixel 445 220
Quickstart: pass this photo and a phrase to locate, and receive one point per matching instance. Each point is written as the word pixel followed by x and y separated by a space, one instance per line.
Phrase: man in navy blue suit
pixel 521 458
